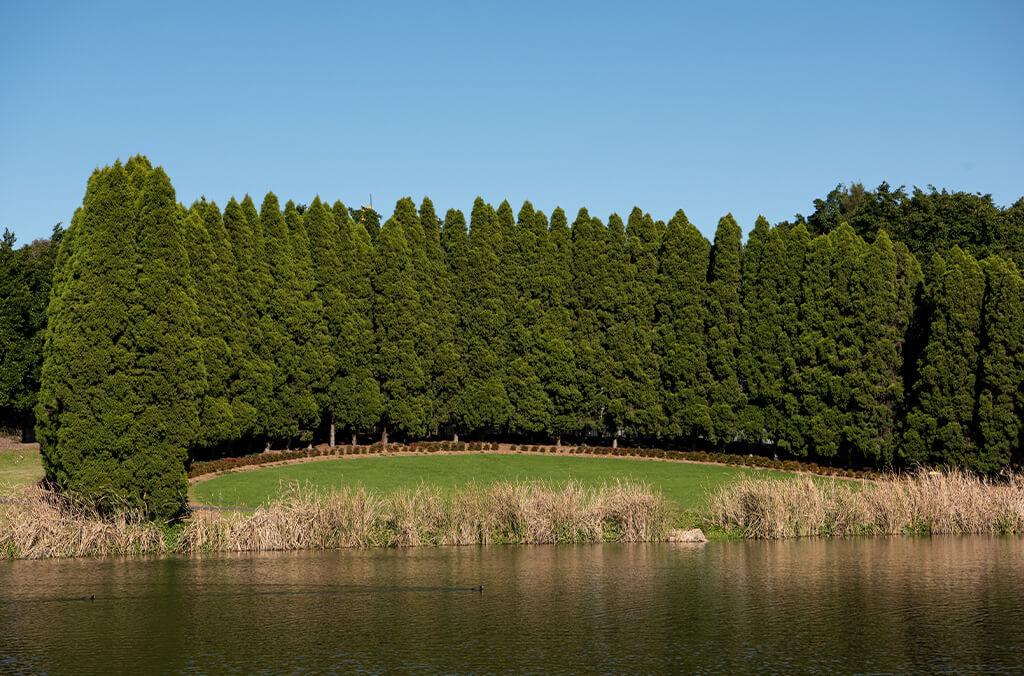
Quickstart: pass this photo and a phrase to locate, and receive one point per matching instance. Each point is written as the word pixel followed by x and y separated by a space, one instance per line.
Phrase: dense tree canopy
pixel 171 329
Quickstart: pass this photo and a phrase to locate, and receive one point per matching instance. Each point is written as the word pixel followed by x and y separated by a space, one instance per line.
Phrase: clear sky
pixel 714 106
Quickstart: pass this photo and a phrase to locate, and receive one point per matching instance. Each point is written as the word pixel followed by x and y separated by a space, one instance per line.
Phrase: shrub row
pixel 201 468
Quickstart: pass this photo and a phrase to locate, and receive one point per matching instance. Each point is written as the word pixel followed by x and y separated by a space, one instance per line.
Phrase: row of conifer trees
pixel 174 329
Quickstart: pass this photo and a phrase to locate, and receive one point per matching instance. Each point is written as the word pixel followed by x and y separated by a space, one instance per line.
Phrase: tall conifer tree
pixel 725 320
pixel 685 378
pixel 397 318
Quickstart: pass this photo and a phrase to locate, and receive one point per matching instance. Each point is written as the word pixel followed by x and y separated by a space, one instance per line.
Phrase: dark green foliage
pixel 397 317
pixel 634 334
pixel 1000 406
pixel 943 399
pixel 355 393
pixel 926 221
pixel 557 362
pixel 485 402
pixel 531 405
pixel 215 274
pixel 173 329
pixel 123 372
pixel 588 301
pixel 685 378
pixel 25 279
pixel 293 333
pixel 725 320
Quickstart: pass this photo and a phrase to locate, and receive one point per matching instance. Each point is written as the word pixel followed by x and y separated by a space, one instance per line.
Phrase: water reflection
pixel 857 605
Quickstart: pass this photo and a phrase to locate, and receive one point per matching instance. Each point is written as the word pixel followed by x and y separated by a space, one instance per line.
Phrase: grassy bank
pixel 20 465
pixel 37 524
pixel 926 503
pixel 684 485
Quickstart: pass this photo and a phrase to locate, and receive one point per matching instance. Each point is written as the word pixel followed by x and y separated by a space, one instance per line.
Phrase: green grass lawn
pixel 19 467
pixel 684 484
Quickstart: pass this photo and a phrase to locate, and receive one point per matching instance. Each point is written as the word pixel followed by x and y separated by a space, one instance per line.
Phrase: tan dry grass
pixel 37 524
pixel 922 503
pixel 501 513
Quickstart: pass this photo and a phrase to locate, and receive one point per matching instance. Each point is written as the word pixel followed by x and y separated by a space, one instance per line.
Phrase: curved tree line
pixel 178 330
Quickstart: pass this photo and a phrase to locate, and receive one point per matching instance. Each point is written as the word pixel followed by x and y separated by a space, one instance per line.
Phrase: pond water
pixel 864 605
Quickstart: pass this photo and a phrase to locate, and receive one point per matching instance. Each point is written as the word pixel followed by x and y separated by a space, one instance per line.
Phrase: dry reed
pixel 499 513
pixel 951 503
pixel 37 524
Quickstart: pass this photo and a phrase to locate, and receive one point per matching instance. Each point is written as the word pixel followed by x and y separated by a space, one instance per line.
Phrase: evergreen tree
pixel 788 260
pixel 685 379
pixel 1001 378
pixel 590 263
pixel 883 310
pixel 557 368
pixel 486 404
pixel 397 318
pixel 291 332
pixel 215 275
pixel 725 319
pixel 455 244
pixel 123 371
pixel 943 397
pixel 25 281
pixel 442 351
pixel 325 243
pixel 251 388
pixel 760 363
pixel 531 406
pixel 168 370
pixel 643 414
pixel 356 392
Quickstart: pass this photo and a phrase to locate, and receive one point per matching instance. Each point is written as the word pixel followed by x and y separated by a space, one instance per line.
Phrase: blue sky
pixel 713 107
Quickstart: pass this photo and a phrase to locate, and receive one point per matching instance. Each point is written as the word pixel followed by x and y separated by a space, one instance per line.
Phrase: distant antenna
pixel 371 201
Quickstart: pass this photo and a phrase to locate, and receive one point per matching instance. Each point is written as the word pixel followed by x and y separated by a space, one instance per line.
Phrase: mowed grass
pixel 19 467
pixel 684 484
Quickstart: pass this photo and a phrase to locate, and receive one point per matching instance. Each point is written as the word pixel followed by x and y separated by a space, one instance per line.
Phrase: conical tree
pixel 251 387
pixel 397 318
pixel 590 263
pixel 440 346
pixel 293 409
pixel 725 320
pixel 943 398
pixel 123 371
pixel 356 393
pixel 557 368
pixel 325 248
pixel 531 406
pixel 169 372
pixel 455 244
pixel 1001 380
pixel 215 274
pixel 486 405
pixel 685 378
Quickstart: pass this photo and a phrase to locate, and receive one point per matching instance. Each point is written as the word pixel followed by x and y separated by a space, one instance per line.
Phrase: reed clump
pixel 521 513
pixel 922 503
pixel 38 524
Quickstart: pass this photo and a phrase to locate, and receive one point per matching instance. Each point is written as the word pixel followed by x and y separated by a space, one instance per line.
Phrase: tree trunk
pixel 332 432
pixel 384 436
pixel 355 441
pixel 266 447
pixel 455 437
pixel 558 441
pixel 615 442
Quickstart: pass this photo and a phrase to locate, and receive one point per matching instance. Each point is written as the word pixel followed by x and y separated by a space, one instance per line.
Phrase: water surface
pixel 864 605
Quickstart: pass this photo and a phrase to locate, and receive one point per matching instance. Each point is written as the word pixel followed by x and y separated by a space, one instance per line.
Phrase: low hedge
pixel 203 467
